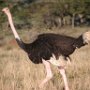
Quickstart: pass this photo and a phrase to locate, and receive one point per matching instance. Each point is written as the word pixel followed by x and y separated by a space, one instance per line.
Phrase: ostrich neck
pixel 12 27
pixel 19 41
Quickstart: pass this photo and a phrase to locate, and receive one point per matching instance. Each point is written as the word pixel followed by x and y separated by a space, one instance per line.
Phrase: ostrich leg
pixel 48 71
pixel 62 72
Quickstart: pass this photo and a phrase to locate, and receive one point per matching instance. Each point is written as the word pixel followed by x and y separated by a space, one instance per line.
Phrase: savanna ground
pixel 17 72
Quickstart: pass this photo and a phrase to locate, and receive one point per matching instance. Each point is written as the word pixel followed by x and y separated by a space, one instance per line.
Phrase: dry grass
pixel 17 72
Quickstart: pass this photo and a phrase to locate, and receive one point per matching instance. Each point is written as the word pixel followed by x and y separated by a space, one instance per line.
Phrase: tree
pixel 76 7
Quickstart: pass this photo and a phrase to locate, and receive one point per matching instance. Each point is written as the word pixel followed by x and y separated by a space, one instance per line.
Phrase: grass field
pixel 17 72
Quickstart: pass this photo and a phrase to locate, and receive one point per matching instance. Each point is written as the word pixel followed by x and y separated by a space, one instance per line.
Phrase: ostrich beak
pixel 4 9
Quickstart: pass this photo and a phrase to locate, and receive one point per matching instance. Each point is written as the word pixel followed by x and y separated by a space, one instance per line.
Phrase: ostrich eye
pixel 7 9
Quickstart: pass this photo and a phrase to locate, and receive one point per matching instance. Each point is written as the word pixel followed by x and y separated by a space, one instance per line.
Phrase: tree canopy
pixel 35 9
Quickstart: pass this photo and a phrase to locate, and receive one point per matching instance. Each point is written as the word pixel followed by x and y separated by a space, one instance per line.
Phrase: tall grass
pixel 17 72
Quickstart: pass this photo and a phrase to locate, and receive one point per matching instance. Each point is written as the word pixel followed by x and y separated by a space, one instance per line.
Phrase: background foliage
pixel 28 13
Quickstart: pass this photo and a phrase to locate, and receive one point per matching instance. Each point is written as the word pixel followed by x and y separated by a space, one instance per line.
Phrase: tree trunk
pixel 73 21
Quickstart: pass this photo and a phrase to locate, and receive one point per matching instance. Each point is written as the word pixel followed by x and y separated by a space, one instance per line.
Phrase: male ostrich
pixel 50 48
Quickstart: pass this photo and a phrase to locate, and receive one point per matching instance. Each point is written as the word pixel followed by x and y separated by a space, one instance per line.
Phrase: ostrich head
pixel 86 37
pixel 6 11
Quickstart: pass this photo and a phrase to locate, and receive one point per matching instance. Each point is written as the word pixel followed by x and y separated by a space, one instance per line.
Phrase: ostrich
pixel 50 49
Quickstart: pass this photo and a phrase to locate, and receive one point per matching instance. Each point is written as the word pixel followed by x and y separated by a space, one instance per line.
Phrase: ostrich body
pixel 50 48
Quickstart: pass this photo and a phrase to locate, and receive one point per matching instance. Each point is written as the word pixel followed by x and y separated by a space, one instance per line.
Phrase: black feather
pixel 79 42
pixel 48 44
